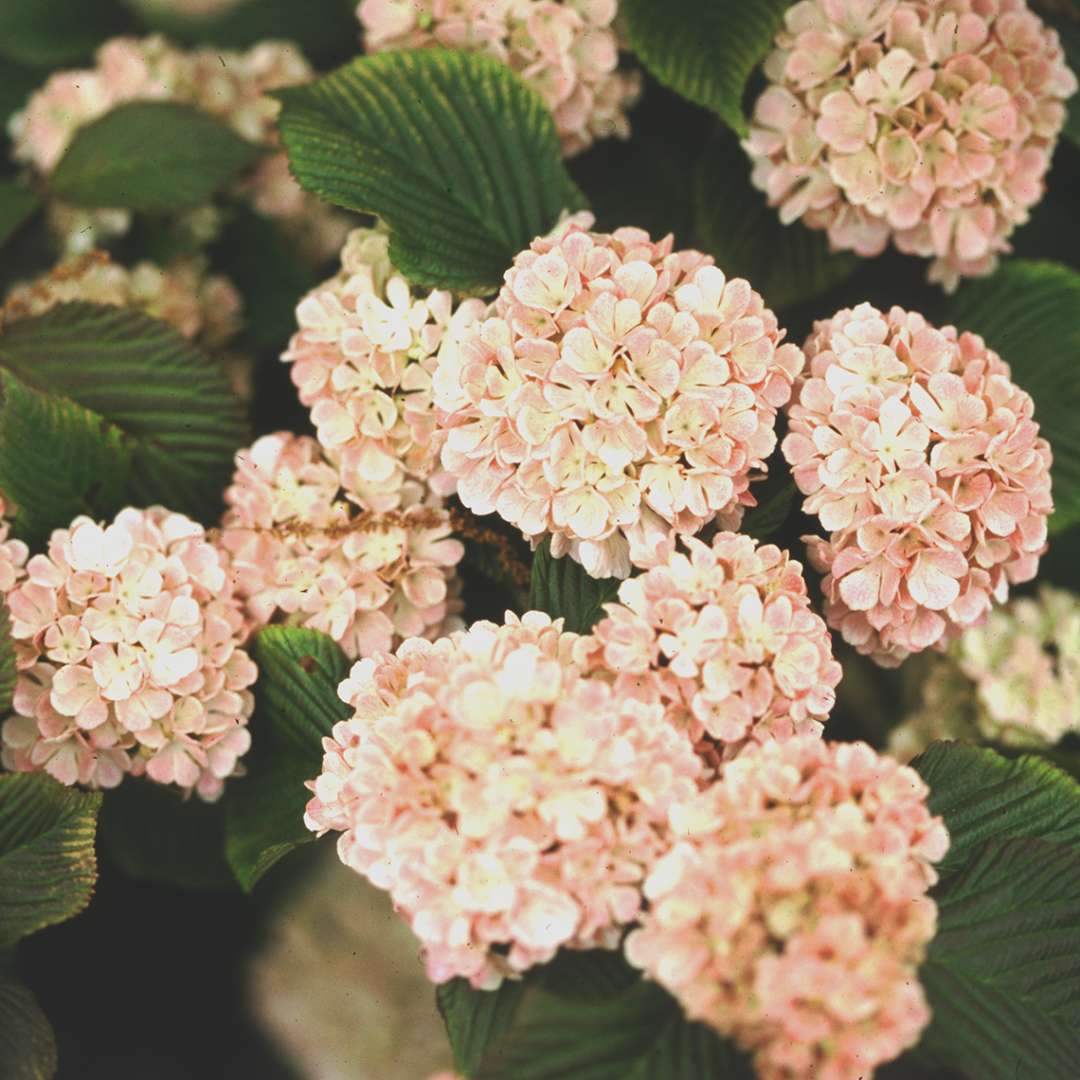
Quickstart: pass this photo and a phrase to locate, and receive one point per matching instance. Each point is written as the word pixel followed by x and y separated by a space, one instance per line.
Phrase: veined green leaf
pixel 563 589
pixel 27 1044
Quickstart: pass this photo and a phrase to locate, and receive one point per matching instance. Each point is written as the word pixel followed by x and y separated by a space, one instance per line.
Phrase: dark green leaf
pixel 587 975
pixel 1027 311
pixel 50 33
pixel 27 1044
pixel 638 1034
pixel 563 589
pixel 299 673
pixel 474 1018
pixel 1003 972
pixel 8 671
pixel 776 495
pixel 734 223
pixel 152 833
pixel 47 865
pixel 151 156
pixel 16 207
pixel 704 51
pixel 983 796
pixel 296 706
pixel 57 459
pixel 17 83
pixel 173 402
pixel 452 150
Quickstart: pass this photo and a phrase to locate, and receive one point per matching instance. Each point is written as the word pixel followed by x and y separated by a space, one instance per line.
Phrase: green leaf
pixel 704 51
pixel 1027 311
pixel 172 403
pixel 17 83
pixel 47 865
pixel 152 833
pixel 563 589
pixel 299 673
pixel 17 205
pixel 983 796
pixel 474 1018
pixel 734 223
pixel 637 1034
pixel 296 706
pixel 776 496
pixel 27 1043
pixel 451 150
pixel 151 156
pixel 57 459
pixel 52 33
pixel 1003 972
pixel 8 672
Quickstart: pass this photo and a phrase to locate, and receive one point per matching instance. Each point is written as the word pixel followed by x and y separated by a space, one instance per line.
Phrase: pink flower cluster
pixel 13 554
pixel 1014 680
pixel 618 393
pixel 565 50
pixel 724 637
pixel 127 640
pixel 229 85
pixel 202 306
pixel 921 458
pixel 300 553
pixel 791 911
pixel 363 360
pixel 927 122
pixel 508 804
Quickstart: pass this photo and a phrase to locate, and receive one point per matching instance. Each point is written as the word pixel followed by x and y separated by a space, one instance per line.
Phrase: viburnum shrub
pixel 523 441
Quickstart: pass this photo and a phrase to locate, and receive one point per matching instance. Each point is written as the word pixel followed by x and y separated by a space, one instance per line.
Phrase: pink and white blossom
pixel 923 462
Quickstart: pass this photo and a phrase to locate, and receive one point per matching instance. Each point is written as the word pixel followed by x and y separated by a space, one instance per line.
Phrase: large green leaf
pixel 451 150
pixel 474 1018
pixel 27 1044
pixel 8 671
pixel 1003 972
pixel 16 207
pixel 1027 311
pixel 296 706
pixel 563 589
pixel 983 796
pixel 180 420
pixel 50 33
pixel 47 864
pixel 57 459
pixel 152 833
pixel 734 223
pixel 704 49
pixel 151 156
pixel 638 1033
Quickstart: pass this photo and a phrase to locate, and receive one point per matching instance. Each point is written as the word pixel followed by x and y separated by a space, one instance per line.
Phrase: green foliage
pixel 983 796
pixel 1027 311
pixel 114 388
pixel 777 496
pixel 704 51
pixel 474 1018
pixel 733 223
pixel 8 672
pixel 151 156
pixel 27 1045
pixel 1003 971
pixel 17 205
pixel 52 33
pixel 563 589
pixel 47 864
pixel 451 150
pixel 152 833
pixel 296 706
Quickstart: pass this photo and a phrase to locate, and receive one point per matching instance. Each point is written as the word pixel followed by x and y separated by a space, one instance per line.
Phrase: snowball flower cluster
pixel 363 360
pixel 127 640
pixel 921 458
pixel 302 554
pixel 617 393
pixel 565 50
pixel 725 638
pixel 13 554
pixel 508 804
pixel 205 307
pixel 1014 680
pixel 230 85
pixel 791 911
pixel 930 123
